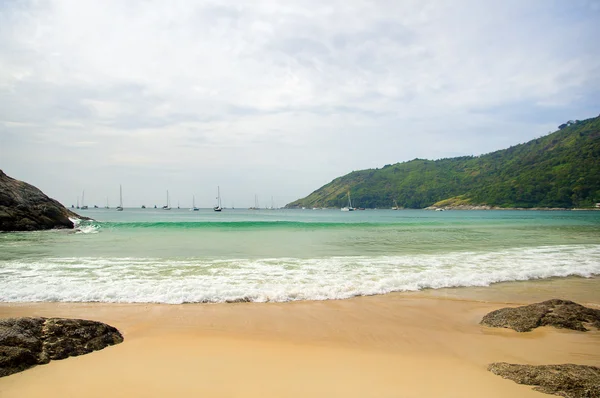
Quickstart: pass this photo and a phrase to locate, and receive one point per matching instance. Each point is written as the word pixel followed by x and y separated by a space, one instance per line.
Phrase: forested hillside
pixel 561 169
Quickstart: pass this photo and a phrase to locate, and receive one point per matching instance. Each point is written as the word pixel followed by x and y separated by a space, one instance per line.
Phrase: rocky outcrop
pixel 26 342
pixel 568 380
pixel 558 313
pixel 23 207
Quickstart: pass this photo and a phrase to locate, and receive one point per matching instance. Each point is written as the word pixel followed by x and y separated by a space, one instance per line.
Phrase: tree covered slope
pixel 561 169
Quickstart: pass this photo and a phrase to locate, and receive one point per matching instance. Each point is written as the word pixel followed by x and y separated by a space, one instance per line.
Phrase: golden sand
pixel 426 344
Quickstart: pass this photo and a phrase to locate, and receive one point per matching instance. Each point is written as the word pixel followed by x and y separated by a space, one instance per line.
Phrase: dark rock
pixel 558 313
pixel 23 207
pixel 25 342
pixel 568 380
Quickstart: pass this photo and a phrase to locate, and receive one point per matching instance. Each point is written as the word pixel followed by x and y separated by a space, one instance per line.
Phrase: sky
pixel 277 98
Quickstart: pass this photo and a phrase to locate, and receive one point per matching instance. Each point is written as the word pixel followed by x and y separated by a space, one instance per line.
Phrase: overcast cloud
pixel 277 98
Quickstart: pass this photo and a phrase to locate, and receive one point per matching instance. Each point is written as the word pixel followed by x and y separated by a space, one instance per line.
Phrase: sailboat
pixel 83 207
pixel 395 207
pixel 120 206
pixel 218 206
pixel 106 207
pixel 78 202
pixel 167 206
pixel 255 207
pixel 194 208
pixel 349 207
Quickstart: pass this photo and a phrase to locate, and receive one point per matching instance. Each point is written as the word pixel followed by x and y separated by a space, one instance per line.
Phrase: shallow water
pixel 149 255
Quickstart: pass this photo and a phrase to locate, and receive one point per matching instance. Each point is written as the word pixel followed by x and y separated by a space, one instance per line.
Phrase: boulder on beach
pixel 24 207
pixel 562 314
pixel 26 342
pixel 568 380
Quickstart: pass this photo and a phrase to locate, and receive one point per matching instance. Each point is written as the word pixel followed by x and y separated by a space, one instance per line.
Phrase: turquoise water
pixel 149 255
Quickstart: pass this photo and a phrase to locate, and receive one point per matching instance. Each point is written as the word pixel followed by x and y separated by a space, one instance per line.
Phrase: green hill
pixel 561 169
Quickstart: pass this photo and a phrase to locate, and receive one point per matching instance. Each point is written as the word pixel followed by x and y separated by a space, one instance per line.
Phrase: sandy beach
pixel 425 344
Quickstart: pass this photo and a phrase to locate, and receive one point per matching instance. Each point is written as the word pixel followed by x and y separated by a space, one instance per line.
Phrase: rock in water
pixel 25 342
pixel 571 381
pixel 23 207
pixel 558 313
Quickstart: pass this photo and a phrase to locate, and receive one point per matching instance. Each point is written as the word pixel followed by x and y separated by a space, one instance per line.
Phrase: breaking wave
pixel 197 280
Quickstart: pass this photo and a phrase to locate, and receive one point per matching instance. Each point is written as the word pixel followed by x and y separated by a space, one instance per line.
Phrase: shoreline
pixel 414 344
pixel 487 207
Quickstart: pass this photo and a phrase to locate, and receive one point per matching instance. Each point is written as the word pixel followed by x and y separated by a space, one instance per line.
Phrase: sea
pixel 182 256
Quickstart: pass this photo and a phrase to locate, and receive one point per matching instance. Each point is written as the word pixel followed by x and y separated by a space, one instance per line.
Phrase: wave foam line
pixel 194 280
pixel 241 224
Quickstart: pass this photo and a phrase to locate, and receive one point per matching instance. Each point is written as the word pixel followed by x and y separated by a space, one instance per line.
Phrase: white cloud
pixel 278 97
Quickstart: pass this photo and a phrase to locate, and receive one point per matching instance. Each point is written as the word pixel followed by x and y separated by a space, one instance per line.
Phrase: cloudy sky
pixel 277 98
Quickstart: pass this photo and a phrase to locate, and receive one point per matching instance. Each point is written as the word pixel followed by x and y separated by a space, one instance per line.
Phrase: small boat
pixel 167 206
pixel 83 207
pixel 439 209
pixel 120 206
pixel 106 207
pixel 395 207
pixel 255 207
pixel 194 208
pixel 218 206
pixel 95 207
pixel 143 206
pixel 349 207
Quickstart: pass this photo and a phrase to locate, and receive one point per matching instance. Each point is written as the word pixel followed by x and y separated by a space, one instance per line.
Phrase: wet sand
pixel 425 344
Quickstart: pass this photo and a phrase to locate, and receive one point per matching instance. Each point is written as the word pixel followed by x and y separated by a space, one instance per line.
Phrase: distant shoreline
pixel 464 207
pixel 486 207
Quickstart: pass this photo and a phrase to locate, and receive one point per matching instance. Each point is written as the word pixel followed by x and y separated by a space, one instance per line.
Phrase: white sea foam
pixel 84 227
pixel 280 279
pixel 87 229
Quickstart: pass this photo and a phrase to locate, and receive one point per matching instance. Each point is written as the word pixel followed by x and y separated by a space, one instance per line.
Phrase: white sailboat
pixel 194 208
pixel 218 206
pixel 349 207
pixel 168 205
pixel 83 207
pixel 120 206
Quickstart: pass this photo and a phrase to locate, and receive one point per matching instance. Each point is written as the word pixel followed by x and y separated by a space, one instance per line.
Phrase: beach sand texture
pixel 395 345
